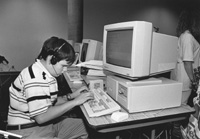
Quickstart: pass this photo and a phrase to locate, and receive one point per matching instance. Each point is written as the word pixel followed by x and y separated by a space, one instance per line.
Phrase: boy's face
pixel 59 68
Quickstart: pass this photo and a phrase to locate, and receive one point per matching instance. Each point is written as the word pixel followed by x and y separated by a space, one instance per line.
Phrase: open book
pixel 74 74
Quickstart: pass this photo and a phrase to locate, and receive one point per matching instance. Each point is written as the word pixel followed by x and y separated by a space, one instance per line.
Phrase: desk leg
pixel 153 132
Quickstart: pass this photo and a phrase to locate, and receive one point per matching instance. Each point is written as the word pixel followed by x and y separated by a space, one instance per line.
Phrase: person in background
pixel 35 109
pixel 188 32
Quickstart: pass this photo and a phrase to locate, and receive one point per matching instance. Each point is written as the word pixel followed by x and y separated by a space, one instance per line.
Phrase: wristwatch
pixel 69 97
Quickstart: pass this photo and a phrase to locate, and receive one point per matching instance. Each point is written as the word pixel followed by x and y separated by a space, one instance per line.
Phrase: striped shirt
pixel 33 91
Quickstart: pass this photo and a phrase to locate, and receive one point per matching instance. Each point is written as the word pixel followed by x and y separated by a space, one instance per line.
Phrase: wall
pixel 26 24
pixel 162 13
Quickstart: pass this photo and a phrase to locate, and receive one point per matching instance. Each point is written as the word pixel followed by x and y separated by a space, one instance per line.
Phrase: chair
pixel 6 78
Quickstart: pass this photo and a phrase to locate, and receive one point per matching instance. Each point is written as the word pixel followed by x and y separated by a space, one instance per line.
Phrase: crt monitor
pixel 90 50
pixel 133 50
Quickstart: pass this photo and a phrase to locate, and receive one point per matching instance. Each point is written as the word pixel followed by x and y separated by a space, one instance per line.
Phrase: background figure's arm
pixel 189 70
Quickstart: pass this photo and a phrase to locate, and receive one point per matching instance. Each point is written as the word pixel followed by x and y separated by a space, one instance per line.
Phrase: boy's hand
pixel 83 89
pixel 83 97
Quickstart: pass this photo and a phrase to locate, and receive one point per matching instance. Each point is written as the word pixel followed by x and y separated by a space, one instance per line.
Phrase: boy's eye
pixel 64 66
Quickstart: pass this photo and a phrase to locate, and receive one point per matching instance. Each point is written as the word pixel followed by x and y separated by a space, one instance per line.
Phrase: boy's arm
pixel 65 98
pixel 61 100
pixel 58 110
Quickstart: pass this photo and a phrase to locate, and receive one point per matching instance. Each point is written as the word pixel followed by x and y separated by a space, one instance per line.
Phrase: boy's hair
pixel 59 49
pixel 189 20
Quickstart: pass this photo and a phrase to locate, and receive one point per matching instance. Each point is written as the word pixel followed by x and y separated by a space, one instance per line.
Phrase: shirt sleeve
pixel 186 42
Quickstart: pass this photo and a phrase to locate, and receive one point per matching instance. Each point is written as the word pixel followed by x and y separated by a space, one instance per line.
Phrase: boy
pixel 35 108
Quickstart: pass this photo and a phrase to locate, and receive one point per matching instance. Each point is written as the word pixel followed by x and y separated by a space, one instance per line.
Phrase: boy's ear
pixel 51 59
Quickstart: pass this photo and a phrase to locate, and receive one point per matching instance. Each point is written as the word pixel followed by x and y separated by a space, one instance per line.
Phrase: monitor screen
pixel 119 47
pixel 90 50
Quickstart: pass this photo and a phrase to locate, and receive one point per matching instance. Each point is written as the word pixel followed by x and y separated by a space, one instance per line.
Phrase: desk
pixel 105 124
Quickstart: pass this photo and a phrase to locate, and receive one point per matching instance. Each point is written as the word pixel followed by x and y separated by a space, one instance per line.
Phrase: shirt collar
pixel 42 67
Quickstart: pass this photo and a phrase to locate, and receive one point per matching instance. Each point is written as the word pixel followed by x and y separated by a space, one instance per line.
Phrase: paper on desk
pixel 92 64
pixel 92 72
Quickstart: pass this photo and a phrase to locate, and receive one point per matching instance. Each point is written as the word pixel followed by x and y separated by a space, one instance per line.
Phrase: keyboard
pixel 102 104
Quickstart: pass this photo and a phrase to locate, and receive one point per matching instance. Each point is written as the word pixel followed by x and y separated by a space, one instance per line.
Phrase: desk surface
pixel 106 124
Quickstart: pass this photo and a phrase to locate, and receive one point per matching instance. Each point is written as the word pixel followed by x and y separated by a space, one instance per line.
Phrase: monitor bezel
pixel 141 48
